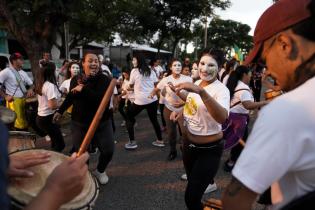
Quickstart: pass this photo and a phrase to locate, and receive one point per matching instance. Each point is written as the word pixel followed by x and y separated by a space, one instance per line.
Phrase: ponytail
pixel 236 76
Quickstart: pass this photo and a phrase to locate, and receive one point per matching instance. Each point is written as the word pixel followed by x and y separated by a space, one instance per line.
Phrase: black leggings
pixel 171 129
pixel 53 130
pixel 134 110
pixel 162 107
pixel 121 108
pixel 103 139
pixel 201 163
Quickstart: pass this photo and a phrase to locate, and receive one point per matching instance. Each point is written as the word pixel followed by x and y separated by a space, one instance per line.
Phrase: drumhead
pixel 22 191
pixel 31 99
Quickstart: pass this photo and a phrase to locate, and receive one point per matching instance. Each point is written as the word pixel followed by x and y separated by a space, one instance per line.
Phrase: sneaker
pixel 63 134
pixel 228 166
pixel 123 123
pixel 158 112
pixel 158 143
pixel 136 125
pixel 211 188
pixel 131 145
pixel 93 150
pixel 101 177
pixel 184 177
pixel 47 138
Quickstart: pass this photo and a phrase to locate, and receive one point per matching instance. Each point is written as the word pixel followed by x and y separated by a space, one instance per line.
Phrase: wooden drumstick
pixel 97 117
pixel 242 142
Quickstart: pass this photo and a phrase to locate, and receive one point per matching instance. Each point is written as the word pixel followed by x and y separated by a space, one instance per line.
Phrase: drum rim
pixel 89 204
pixel 26 133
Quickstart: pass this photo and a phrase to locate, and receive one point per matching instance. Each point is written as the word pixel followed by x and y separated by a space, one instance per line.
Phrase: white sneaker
pixel 211 188
pixel 158 143
pixel 47 138
pixel 131 145
pixel 101 177
pixel 184 177
pixel 63 134
pixel 123 123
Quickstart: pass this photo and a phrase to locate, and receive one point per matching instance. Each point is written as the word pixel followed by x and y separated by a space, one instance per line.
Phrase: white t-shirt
pixel 281 146
pixel 143 86
pixel 158 70
pixel 49 91
pixel 106 70
pixel 65 86
pixel 225 79
pixel 8 79
pixel 197 118
pixel 242 95
pixel 111 103
pixel 170 97
pixel 222 70
pixel 130 94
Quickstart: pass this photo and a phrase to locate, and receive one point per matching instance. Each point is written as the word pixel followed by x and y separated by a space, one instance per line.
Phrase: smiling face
pixel 208 68
pixel 91 65
pixel 74 69
pixel 176 67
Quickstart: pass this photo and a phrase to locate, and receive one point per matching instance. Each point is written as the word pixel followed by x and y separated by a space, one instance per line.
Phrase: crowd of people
pixel 207 103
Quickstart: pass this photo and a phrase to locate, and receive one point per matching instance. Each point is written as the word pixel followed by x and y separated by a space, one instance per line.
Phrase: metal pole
pixel 196 48
pixel 206 31
pixel 66 30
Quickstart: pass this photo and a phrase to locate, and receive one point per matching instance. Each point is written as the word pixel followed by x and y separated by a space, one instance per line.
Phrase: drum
pixel 7 116
pixel 213 204
pixel 21 140
pixel 31 100
pixel 271 94
pixel 22 191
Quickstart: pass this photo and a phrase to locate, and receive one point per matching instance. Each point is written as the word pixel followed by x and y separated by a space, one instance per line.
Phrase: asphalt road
pixel 143 179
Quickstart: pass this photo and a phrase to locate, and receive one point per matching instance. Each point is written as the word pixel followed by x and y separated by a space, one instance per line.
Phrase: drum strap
pixel 238 101
pixel 19 81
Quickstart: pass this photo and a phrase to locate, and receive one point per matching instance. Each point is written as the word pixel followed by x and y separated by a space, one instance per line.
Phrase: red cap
pixel 278 17
pixel 16 56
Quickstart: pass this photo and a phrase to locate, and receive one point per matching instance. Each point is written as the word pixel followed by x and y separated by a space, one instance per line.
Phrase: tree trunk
pixel 34 50
pixel 174 46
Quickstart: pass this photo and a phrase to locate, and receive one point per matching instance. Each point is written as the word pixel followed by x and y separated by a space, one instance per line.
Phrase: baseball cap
pixel 16 56
pixel 278 17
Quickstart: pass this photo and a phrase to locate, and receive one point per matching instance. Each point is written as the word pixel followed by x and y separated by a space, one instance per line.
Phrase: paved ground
pixel 143 179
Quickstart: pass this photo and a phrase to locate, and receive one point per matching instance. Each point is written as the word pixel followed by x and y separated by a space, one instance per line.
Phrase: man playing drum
pixel 280 150
pixel 15 80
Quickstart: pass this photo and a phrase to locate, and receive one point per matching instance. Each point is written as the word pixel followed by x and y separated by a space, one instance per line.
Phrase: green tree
pixel 225 34
pixel 35 24
pixel 171 19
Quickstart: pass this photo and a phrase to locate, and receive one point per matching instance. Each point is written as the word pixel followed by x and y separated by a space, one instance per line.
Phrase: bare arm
pixel 250 105
pixel 53 104
pixel 218 113
pixel 238 195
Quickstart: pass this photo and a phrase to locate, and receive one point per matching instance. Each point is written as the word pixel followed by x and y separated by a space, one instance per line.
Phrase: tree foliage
pixel 225 34
pixel 36 23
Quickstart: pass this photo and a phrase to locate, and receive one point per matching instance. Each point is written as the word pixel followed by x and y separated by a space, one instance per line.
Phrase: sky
pixel 244 11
